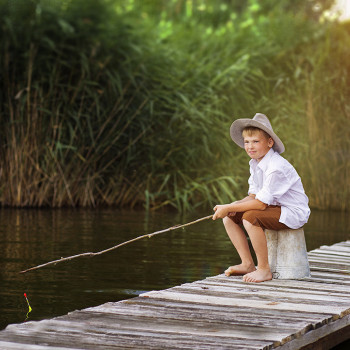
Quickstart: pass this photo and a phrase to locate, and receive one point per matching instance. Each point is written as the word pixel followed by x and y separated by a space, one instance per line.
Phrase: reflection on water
pixel 32 237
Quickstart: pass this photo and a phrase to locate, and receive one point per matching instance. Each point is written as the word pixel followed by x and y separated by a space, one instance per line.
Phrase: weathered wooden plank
pixel 333 251
pixel 265 294
pixel 17 346
pixel 312 338
pixel 342 244
pixel 152 341
pixel 195 326
pixel 331 254
pixel 333 246
pixel 274 287
pixel 216 300
pixel 329 280
pixel 344 278
pixel 268 294
pixel 296 284
pixel 258 320
pixel 198 308
pixel 319 267
pixel 336 248
pixel 329 259
pixel 305 283
pixel 236 312
pixel 102 333
pixel 325 264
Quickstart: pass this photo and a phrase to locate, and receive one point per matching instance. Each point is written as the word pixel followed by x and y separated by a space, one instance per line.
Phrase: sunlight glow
pixel 341 9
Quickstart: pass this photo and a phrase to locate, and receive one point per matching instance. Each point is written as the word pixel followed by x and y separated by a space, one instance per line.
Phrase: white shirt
pixel 274 181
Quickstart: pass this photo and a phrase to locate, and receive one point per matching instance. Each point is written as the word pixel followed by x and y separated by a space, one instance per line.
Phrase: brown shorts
pixel 266 219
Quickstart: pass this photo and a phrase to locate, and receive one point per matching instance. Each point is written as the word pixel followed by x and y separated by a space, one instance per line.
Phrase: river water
pixel 31 237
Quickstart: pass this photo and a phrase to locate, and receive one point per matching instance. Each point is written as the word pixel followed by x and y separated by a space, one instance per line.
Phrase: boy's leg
pixel 258 239
pixel 239 240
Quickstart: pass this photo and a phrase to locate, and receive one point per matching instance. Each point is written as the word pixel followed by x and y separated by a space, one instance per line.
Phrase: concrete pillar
pixel 287 254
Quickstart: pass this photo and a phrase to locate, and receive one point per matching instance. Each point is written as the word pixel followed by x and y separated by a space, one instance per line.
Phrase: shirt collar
pixel 264 162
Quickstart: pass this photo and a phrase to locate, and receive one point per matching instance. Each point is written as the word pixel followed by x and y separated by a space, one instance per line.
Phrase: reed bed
pixel 129 103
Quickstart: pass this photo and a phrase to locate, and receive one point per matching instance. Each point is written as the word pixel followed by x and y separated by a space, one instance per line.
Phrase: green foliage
pixel 130 102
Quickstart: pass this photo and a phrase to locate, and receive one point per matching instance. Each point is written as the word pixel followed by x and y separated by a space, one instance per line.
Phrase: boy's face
pixel 257 145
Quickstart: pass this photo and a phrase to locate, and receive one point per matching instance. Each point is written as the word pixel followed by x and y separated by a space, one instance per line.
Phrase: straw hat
pixel 259 121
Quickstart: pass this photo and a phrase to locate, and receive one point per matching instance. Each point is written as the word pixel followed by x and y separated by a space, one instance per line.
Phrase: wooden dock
pixel 216 313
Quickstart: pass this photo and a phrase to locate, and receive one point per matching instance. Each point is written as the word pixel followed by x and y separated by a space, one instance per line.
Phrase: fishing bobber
pixel 287 254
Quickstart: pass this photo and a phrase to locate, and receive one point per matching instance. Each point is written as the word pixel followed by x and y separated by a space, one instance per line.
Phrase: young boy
pixel 276 199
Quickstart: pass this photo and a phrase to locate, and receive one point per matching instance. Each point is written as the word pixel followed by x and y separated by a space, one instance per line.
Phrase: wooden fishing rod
pixel 91 254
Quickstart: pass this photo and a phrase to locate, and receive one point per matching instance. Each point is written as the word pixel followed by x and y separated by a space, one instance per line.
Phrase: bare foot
pixel 240 269
pixel 259 275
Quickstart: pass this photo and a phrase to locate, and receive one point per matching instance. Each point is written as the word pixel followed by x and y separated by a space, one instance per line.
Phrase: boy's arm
pixel 248 198
pixel 247 203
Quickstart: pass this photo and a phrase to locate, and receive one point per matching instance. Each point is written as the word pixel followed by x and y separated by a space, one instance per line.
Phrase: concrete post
pixel 287 254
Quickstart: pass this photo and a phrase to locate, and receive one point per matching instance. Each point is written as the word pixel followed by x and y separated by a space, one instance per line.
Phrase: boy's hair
pixel 251 130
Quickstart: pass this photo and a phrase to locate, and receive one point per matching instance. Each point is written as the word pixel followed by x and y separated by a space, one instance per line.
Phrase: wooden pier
pixel 216 313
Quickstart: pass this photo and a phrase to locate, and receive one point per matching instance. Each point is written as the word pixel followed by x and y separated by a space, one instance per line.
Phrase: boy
pixel 276 199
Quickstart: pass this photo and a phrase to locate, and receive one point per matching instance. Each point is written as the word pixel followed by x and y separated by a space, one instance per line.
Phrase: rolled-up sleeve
pixel 265 196
pixel 275 186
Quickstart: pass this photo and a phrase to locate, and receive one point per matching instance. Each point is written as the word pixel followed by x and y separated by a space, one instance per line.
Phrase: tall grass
pixel 127 104
pixel 328 118
pixel 72 108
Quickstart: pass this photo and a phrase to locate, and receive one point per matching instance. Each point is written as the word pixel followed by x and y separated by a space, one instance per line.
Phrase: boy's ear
pixel 271 142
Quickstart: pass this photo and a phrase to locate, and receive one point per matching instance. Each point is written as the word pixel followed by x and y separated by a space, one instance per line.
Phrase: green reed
pixel 126 104
pixel 68 115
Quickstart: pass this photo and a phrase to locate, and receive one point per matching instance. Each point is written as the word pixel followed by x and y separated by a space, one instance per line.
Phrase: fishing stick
pixel 91 254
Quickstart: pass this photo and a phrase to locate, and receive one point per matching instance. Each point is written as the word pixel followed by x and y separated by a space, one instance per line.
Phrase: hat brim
pixel 238 126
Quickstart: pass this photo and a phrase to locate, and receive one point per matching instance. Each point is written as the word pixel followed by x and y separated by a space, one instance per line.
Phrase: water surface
pixel 32 237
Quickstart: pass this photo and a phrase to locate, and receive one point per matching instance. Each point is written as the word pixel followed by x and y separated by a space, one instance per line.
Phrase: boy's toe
pixel 258 276
pixel 246 278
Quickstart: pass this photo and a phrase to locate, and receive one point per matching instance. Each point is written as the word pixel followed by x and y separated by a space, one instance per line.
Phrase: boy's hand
pixel 221 211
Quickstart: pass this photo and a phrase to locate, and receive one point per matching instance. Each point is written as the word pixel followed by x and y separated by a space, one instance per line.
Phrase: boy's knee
pixel 250 217
pixel 226 220
pixel 229 221
pixel 246 223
